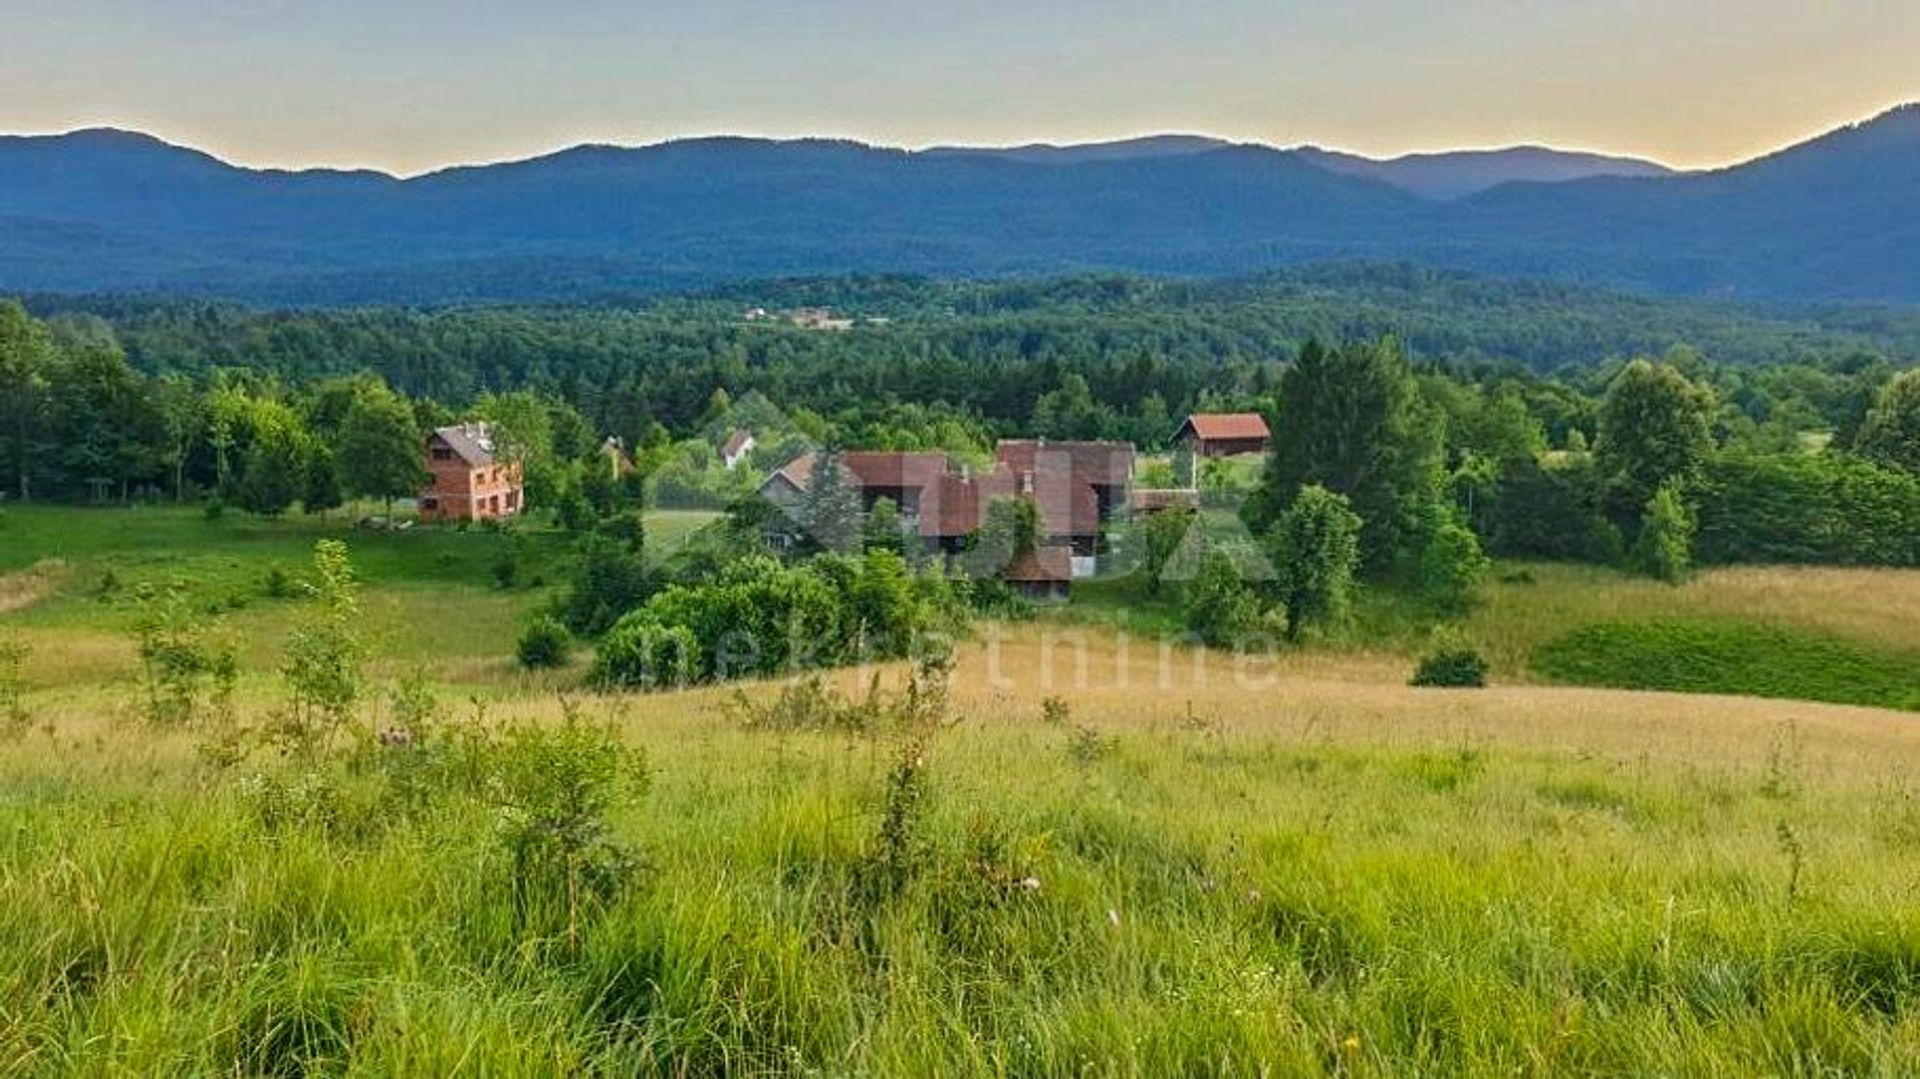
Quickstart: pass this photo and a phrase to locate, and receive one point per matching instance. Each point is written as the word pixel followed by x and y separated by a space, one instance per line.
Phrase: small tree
pixel 1655 426
pixel 1316 551
pixel 1451 562
pixel 610 580
pixel 884 530
pixel 322 491
pixel 1667 529
pixel 185 675
pixel 1160 539
pixel 323 661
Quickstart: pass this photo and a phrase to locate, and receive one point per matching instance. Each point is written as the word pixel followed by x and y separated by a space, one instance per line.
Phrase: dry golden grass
pixel 21 590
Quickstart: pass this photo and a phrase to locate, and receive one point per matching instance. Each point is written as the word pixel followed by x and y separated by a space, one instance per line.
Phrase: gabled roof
pixel 471 442
pixel 1225 426
pixel 736 444
pixel 885 468
pixel 1104 464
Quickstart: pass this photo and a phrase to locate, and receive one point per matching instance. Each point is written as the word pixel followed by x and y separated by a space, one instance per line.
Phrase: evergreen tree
pixel 1351 421
pixel 830 512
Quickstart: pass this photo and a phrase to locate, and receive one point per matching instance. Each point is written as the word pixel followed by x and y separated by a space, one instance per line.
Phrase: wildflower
pixel 1352 1044
pixel 1031 884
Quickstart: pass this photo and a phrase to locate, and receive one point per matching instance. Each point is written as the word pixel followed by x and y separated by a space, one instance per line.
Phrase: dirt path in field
pixel 21 590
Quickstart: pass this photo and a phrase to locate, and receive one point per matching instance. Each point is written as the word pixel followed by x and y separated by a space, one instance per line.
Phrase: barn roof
pixel 1225 426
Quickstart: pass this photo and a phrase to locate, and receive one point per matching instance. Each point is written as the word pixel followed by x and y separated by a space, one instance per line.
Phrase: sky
pixel 410 85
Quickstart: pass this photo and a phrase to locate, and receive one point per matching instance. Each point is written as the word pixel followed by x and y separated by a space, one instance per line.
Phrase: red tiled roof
pixel 1101 463
pixel 879 468
pixel 1225 426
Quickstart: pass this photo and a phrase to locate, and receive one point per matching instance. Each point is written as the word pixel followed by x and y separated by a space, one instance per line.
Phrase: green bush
pixel 544 644
pixel 1455 667
pixel 760 617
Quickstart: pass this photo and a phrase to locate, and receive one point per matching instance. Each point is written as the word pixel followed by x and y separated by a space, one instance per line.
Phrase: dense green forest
pixel 1146 349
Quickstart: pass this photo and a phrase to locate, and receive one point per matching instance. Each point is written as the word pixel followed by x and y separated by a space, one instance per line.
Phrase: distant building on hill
pixel 733 453
pixel 465 480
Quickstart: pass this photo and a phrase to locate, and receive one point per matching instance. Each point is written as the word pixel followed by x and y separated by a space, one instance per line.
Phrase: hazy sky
pixel 407 85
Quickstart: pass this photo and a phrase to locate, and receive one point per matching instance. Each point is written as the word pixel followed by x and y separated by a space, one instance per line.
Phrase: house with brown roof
pixel 1223 434
pixel 466 479
pixel 1077 488
pixel 733 452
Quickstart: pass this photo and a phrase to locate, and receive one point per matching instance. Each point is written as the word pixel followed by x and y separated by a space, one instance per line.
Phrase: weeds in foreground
pixel 556 787
pixel 14 715
pixel 187 671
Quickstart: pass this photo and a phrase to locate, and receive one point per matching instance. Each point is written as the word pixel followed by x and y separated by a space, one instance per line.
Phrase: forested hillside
pixel 1831 219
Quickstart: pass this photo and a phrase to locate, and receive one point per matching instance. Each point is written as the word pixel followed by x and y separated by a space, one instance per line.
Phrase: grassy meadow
pixel 1098 855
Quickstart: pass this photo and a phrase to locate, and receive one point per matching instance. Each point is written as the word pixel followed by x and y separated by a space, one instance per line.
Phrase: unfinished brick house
pixel 466 481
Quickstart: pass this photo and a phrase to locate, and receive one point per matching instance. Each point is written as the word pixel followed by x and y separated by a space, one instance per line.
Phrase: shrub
pixel 324 654
pixel 1221 610
pixel 641 653
pixel 544 644
pixel 1456 667
pixel 1451 563
pixel 1316 549
pixel 610 580
pixel 555 787
pixel 185 675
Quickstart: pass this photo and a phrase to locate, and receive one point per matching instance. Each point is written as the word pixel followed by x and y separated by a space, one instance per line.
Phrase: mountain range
pixel 1836 218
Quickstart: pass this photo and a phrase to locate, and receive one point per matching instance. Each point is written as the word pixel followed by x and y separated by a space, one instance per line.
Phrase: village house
pixel 1223 434
pixel 734 451
pixel 1077 488
pixel 466 481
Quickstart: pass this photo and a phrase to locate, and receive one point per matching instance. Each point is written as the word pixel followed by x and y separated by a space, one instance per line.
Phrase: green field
pixel 1192 863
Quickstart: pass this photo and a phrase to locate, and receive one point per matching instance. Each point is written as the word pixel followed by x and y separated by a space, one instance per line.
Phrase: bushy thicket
pixel 1823 508
pixel 759 616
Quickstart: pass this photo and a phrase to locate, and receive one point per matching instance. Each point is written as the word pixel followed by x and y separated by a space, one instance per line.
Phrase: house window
pixel 441 453
pixel 429 503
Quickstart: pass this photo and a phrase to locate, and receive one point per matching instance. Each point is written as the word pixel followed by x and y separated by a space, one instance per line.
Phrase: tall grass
pixel 1233 896
pixel 1186 863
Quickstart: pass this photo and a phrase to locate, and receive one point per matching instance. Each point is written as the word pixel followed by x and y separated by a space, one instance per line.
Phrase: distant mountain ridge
pixel 1459 173
pixel 1830 219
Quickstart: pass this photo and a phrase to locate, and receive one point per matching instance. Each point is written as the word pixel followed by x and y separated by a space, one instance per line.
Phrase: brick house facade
pixel 466 481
